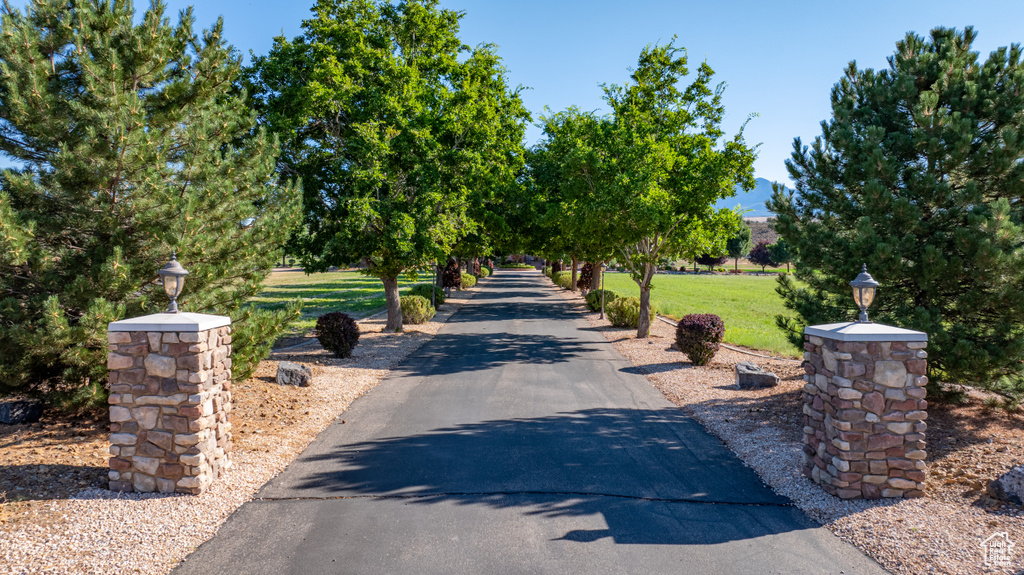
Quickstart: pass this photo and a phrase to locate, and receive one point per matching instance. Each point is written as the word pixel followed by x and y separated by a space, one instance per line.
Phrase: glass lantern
pixel 864 292
pixel 173 277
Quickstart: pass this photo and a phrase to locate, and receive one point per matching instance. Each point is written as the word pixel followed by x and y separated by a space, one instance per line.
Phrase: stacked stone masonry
pixel 864 411
pixel 170 402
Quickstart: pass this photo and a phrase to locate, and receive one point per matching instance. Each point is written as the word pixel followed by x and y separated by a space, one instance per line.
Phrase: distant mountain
pixel 754 200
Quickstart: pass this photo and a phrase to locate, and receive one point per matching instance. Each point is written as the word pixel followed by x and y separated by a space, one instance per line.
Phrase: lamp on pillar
pixel 864 292
pixel 173 277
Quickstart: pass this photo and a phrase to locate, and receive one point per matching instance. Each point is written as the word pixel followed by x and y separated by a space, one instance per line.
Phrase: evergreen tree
pixel 129 144
pixel 920 174
pixel 397 130
pixel 739 245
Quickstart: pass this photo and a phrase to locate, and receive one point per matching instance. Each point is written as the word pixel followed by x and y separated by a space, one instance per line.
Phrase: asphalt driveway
pixel 518 441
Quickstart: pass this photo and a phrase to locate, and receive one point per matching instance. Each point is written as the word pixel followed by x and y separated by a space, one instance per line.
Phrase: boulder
pixel 750 376
pixel 289 373
pixel 20 411
pixel 1009 486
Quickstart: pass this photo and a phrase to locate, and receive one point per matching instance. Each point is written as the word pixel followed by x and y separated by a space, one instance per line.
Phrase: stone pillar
pixel 864 410
pixel 170 401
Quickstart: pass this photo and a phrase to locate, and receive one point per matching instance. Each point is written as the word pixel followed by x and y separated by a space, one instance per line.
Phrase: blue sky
pixel 779 59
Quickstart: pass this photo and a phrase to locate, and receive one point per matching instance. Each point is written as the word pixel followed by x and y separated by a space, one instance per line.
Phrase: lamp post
pixel 173 277
pixel 604 266
pixel 864 292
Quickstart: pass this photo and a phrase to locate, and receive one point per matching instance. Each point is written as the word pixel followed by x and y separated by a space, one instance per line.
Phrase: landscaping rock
pixel 289 373
pixel 1009 486
pixel 20 411
pixel 750 376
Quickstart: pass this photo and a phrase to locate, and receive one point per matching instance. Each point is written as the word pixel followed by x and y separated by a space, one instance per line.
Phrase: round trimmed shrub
pixel 484 272
pixel 562 279
pixel 594 299
pixel 423 290
pixel 625 311
pixel 698 336
pixel 338 333
pixel 416 309
pixel 468 281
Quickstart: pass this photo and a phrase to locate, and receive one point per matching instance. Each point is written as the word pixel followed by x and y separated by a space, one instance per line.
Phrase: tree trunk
pixel 394 304
pixel 595 278
pixel 438 275
pixel 736 265
pixel 572 287
pixel 643 326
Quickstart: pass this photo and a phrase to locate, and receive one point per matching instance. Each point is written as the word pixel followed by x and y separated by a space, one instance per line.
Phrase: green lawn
pixel 747 304
pixel 347 291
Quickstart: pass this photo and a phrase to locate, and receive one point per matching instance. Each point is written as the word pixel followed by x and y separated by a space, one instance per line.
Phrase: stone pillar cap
pixel 857 331
pixel 183 321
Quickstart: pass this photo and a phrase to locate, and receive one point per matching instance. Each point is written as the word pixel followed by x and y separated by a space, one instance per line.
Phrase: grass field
pixel 347 291
pixel 747 304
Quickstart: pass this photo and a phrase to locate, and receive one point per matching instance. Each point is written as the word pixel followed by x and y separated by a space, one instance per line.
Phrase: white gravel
pixel 102 532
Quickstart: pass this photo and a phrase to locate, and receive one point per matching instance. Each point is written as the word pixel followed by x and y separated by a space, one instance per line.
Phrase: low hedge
pixel 515 266
pixel 485 271
pixel 625 311
pixel 416 309
pixel 698 336
pixel 468 281
pixel 594 298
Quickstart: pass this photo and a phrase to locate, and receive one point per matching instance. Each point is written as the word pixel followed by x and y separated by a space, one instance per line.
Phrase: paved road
pixel 519 441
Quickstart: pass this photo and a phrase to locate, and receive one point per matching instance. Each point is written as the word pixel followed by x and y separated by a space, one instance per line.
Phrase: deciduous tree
pixel 739 245
pixel 760 255
pixel 671 163
pixel 392 124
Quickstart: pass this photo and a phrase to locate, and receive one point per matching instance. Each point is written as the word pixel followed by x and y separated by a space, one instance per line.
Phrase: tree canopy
pixel 648 175
pixel 396 129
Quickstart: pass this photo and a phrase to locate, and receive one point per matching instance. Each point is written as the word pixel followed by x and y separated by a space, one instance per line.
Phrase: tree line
pixel 377 136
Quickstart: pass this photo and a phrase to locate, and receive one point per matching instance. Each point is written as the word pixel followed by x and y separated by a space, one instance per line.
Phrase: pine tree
pixel 919 174
pixel 129 144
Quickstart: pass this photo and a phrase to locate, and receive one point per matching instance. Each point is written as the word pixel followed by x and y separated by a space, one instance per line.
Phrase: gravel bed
pixel 99 531
pixel 940 533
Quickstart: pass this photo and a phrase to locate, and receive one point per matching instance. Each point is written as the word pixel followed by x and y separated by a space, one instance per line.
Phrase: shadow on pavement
pixel 489 351
pixel 654 475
